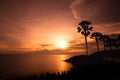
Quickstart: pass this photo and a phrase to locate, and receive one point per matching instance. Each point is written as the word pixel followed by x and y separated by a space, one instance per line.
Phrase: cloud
pixel 9 41
pixel 104 14
pixel 47 51
pixel 75 46
pixel 114 35
pixel 81 48
pixel 45 45
pixel 73 8
pixel 111 28
pixel 42 21
pixel 100 11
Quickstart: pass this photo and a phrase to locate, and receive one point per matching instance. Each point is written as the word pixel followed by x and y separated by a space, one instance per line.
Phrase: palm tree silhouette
pixel 104 38
pixel 118 41
pixel 109 42
pixel 97 36
pixel 85 30
pixel 114 42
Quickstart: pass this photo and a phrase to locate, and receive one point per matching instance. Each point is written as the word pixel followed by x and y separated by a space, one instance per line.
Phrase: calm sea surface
pixel 12 66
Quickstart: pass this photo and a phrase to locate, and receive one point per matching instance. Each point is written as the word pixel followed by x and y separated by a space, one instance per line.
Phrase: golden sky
pixel 30 25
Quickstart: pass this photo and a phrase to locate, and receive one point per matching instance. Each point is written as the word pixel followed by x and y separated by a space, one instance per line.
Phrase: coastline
pixel 100 64
pixel 93 67
pixel 97 58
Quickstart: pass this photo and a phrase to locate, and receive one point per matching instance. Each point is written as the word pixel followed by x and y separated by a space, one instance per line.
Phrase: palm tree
pixel 97 36
pixel 85 30
pixel 118 41
pixel 104 38
pixel 109 42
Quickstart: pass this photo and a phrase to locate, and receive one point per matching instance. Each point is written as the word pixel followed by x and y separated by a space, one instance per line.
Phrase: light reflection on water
pixel 63 66
pixel 24 65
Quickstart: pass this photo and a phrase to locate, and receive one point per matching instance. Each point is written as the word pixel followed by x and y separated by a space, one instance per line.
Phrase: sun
pixel 62 44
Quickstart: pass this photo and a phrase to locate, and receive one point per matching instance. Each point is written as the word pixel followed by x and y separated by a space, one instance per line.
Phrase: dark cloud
pixel 10 41
pixel 72 42
pixel 46 45
pixel 114 35
pixel 100 11
pixel 91 47
pixel 75 46
pixel 107 29
pixel 46 51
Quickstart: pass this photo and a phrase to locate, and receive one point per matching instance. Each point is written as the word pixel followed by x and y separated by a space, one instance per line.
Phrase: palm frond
pixel 90 28
pixel 87 33
pixel 79 29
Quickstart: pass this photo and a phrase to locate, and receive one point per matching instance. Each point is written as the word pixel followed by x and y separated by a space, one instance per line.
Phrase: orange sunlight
pixel 62 44
pixel 63 65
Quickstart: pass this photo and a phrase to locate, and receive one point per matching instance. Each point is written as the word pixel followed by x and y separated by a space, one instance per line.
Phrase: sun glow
pixel 62 44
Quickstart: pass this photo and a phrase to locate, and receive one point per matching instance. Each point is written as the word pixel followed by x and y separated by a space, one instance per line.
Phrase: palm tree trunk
pixel 97 44
pixel 110 46
pixel 104 45
pixel 86 45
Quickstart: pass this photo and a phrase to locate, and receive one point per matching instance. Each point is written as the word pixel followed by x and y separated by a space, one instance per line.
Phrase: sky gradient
pixel 30 25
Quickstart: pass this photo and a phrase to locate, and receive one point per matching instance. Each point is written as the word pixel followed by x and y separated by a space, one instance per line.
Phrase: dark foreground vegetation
pixel 96 72
pixel 98 66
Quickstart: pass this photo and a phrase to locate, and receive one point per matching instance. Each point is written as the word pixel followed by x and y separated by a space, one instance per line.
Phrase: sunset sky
pixel 37 25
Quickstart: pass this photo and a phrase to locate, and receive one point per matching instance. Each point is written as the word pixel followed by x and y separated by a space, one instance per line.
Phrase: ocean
pixel 23 65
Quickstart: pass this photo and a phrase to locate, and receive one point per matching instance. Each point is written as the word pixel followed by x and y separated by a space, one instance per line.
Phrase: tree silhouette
pixel 85 30
pixel 118 41
pixel 109 42
pixel 97 36
pixel 114 43
pixel 104 38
